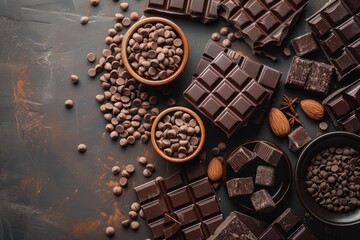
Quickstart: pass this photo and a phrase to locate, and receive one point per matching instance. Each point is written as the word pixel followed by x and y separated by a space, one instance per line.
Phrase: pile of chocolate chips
pixel 333 179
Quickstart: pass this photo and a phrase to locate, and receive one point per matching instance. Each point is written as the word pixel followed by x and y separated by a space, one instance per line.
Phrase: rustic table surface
pixel 50 191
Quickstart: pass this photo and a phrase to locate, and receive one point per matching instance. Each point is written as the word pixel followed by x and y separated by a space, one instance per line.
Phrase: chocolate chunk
pixel 240 186
pixel 266 76
pixel 337 30
pixel 287 226
pixel 188 197
pixel 240 158
pixel 171 226
pixel 343 106
pixel 309 75
pixel 226 94
pixel 239 225
pixel 262 22
pixel 268 153
pixel 262 201
pixel 298 138
pixel 265 176
pixel 304 44
pixel 203 11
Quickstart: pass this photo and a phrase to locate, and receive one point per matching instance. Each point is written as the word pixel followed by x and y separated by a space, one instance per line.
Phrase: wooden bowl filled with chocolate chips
pixel 155 51
pixel 178 134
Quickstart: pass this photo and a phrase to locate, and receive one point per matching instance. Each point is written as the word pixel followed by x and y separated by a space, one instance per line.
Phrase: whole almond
pixel 279 123
pixel 313 109
pixel 215 170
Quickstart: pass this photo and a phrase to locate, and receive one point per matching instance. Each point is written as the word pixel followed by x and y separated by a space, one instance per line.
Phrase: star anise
pixel 289 104
pixel 293 118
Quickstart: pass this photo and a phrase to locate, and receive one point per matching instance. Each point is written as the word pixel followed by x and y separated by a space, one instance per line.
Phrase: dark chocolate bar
pixel 240 158
pixel 262 22
pixel 266 76
pixel 287 227
pixel 343 106
pixel 199 10
pixel 309 75
pixel 239 226
pixel 268 153
pixel 226 94
pixel 188 198
pixel 262 201
pixel 265 176
pixel 298 138
pixel 336 26
pixel 240 186
pixel 304 44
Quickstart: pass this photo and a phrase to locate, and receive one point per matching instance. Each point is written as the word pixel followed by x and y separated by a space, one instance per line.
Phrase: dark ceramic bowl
pixel 333 139
pixel 283 176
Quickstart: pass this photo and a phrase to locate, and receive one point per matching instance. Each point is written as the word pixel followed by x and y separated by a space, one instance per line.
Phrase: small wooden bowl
pixel 178 31
pixel 202 134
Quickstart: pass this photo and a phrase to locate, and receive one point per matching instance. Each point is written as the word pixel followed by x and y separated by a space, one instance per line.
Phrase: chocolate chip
pixel 231 37
pixel 116 170
pixel 224 31
pixel 123 181
pixel 135 225
pixel 323 126
pixel 82 148
pixel 74 79
pixel 125 173
pixel 125 223
pixel 147 173
pixel 135 206
pixel 130 168
pixel 215 36
pixel 124 6
pixel 117 190
pixel 84 20
pixel 133 214
pixel 226 43
pixel 69 103
pixel 286 52
pixel 222 146
pixel 94 3
pixel 126 22
pixel 171 102
pixel 109 231
pixel 134 16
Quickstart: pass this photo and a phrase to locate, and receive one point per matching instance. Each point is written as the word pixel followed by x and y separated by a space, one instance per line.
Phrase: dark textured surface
pixel 47 189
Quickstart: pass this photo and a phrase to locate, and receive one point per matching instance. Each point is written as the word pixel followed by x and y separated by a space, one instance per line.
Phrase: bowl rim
pixel 202 134
pixel 298 177
pixel 288 165
pixel 141 23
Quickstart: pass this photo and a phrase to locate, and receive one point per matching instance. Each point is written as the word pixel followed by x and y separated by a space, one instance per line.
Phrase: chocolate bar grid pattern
pixel 343 107
pixel 201 10
pixel 287 226
pixel 266 76
pixel 186 195
pixel 262 21
pixel 336 26
pixel 226 94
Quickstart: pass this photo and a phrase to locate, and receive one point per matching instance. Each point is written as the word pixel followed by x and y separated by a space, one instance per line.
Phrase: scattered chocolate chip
pixel 323 126
pixel 94 3
pixel 150 167
pixel 159 178
pixel 222 146
pixel 115 170
pixel 224 31
pixel 124 6
pixel 133 214
pixel 117 190
pixel 143 160
pixel 125 223
pixel 215 151
pixel 125 173
pixel 215 36
pixel 226 43
pixel 130 168
pixel 231 36
pixel 123 181
pixel 135 206
pixel 134 16
pixel 287 52
pixel 147 173
pixel 74 79
pixel 171 102
pixel 69 104
pixel 135 225
pixel 82 148
pixel 84 20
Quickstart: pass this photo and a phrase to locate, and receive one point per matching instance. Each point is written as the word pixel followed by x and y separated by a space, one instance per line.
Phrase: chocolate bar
pixel 262 201
pixel 266 76
pixel 343 106
pixel 304 44
pixel 268 153
pixel 287 226
pixel 265 176
pixel 199 10
pixel 337 29
pixel 226 94
pixel 309 75
pixel 240 186
pixel 240 226
pixel 240 158
pixel 188 198
pixel 262 22
pixel 298 138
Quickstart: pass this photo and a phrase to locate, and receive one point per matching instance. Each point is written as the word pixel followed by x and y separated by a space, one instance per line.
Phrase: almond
pixel 279 123
pixel 313 109
pixel 215 170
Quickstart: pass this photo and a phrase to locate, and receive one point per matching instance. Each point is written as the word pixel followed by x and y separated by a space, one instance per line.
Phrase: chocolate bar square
pixel 240 186
pixel 265 176
pixel 298 138
pixel 262 201
pixel 304 44
pixel 240 158
pixel 268 153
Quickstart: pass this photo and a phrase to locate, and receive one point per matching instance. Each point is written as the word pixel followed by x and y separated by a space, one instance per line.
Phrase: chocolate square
pixel 241 157
pixel 304 44
pixel 298 138
pixel 262 201
pixel 268 153
pixel 265 176
pixel 240 186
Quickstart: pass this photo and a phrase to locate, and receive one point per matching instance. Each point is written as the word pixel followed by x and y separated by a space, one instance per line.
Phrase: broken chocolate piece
pixel 268 153
pixel 309 75
pixel 171 226
pixel 240 186
pixel 265 176
pixel 287 227
pixel 298 138
pixel 304 44
pixel 239 226
pixel 240 158
pixel 262 201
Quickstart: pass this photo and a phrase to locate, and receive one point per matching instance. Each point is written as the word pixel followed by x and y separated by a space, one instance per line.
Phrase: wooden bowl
pixel 177 30
pixel 202 134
